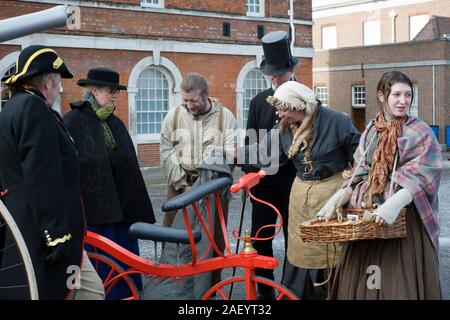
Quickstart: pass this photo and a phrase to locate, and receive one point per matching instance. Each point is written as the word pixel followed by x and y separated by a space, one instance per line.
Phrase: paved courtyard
pixel 156 188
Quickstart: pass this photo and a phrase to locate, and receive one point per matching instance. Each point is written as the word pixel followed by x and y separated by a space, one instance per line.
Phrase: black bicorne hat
pixel 35 60
pixel 102 77
pixel 278 58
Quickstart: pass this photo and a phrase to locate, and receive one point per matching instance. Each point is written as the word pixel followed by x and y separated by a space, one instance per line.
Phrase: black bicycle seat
pixel 147 231
pixel 195 194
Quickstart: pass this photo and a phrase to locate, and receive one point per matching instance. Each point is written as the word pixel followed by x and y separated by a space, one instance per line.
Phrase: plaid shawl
pixel 418 170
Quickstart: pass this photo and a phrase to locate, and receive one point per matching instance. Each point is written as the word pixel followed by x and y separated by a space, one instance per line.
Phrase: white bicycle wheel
pixel 7 224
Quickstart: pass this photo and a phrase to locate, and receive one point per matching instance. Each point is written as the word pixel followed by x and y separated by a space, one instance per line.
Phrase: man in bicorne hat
pixel 40 184
pixel 278 65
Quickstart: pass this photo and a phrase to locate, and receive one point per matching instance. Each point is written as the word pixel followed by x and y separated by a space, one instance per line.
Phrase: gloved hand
pixel 388 211
pixel 328 210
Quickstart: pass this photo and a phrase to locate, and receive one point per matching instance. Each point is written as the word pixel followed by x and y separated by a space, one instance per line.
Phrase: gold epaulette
pixel 52 243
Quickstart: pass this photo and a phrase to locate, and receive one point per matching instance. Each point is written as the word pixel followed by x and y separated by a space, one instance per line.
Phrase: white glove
pixel 388 211
pixel 328 210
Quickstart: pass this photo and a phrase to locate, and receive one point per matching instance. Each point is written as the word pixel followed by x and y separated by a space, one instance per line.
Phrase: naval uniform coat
pixel 39 170
pixel 111 181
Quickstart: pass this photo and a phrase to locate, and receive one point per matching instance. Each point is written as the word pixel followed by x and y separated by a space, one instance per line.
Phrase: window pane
pixel 414 110
pixel 153 96
pixel 254 83
pixel 359 96
pixel 372 33
pixel 322 95
pixel 329 40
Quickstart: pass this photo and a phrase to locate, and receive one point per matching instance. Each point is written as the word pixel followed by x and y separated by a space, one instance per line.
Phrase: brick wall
pixel 148 155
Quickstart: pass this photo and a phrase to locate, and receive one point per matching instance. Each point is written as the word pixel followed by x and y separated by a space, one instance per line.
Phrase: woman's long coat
pixel 39 170
pixel 112 184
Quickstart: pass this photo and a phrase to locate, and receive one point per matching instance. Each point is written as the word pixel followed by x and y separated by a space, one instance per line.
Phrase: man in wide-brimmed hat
pixel 39 179
pixel 278 64
pixel 113 189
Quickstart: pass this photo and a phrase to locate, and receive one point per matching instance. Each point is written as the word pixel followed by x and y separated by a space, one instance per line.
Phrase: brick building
pixel 154 43
pixel 357 41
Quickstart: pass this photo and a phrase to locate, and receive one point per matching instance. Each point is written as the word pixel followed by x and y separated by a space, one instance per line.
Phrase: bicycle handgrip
pixel 248 181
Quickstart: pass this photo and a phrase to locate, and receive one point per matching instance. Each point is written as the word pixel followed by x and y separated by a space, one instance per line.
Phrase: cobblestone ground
pixel 156 188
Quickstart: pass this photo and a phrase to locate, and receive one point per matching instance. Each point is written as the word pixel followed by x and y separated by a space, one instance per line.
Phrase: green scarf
pixel 103 114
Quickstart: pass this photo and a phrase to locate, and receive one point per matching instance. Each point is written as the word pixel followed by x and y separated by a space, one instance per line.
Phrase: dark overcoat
pixel 111 181
pixel 39 170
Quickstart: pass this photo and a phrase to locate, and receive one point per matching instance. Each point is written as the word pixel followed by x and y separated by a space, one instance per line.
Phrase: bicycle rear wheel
pixel 15 261
pixel 221 289
pixel 113 281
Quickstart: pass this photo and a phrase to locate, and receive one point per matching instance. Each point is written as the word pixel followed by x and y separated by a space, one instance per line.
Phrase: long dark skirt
pixel 117 232
pixel 301 282
pixel 405 268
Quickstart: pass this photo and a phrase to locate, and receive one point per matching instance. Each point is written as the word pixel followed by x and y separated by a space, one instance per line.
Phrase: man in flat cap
pixel 39 180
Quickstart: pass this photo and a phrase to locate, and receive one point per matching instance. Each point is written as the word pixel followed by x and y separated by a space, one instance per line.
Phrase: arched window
pixel 153 88
pixel 250 82
pixel 254 83
pixel 152 101
pixel 4 92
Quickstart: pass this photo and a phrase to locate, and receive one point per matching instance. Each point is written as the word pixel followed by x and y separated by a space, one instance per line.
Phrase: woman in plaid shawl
pixel 407 267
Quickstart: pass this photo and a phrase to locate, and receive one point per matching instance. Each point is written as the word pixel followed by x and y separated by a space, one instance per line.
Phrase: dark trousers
pixel 263 215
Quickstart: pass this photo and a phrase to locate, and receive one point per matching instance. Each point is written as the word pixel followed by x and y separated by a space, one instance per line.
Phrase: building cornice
pixel 109 43
pixel 405 64
pixel 95 4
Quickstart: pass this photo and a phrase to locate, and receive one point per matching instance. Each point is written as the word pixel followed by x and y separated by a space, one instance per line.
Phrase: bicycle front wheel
pixel 221 289
pixel 117 286
pixel 15 261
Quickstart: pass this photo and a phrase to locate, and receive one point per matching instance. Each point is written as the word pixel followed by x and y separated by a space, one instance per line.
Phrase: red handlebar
pixel 248 181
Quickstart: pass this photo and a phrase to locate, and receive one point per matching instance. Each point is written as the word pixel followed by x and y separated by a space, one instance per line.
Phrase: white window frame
pixel 167 76
pixel 415 29
pixel 243 122
pixel 356 104
pixel 261 12
pixel 415 104
pixel 240 90
pixel 329 37
pixel 322 94
pixel 160 4
pixel 174 78
pixel 372 33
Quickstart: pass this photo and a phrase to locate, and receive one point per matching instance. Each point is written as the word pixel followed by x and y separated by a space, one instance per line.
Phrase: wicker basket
pixel 335 231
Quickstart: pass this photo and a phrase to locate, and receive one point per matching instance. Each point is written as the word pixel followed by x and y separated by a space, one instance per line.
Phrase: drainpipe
pixel 434 95
pixel 291 16
pixel 393 15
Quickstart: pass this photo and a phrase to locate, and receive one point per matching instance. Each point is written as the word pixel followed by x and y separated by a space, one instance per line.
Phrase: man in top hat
pixel 39 177
pixel 278 64
pixel 113 189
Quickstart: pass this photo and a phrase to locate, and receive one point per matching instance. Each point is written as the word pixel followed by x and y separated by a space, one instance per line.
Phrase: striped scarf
pixel 103 114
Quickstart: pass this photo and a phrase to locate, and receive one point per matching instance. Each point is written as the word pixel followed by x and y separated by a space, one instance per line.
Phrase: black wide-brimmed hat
pixel 278 58
pixel 35 60
pixel 102 77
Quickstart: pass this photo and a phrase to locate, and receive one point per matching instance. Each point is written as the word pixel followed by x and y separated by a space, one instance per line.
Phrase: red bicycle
pixel 248 259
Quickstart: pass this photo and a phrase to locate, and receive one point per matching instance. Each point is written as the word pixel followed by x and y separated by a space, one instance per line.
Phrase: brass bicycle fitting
pixel 248 245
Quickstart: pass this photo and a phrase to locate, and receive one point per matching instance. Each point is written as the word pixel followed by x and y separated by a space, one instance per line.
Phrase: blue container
pixel 447 136
pixel 435 130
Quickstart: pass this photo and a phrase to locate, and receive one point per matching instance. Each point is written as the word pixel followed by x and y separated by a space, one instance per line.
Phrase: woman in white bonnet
pixel 320 142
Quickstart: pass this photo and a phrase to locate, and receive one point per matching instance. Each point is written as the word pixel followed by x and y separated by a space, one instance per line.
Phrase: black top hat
pixel 278 58
pixel 34 60
pixel 102 77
